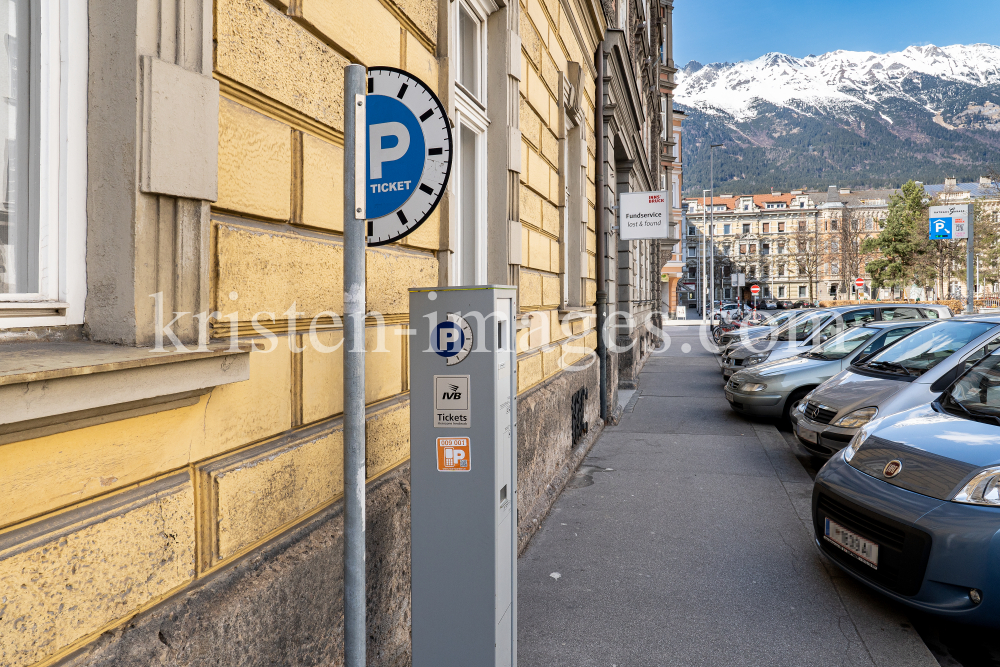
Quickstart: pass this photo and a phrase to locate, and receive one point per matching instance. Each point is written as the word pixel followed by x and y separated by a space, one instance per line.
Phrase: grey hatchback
pixel 913 371
pixel 772 388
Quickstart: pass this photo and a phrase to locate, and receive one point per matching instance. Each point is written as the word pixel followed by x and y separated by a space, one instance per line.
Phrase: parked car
pixel 744 334
pixel 786 305
pixel 727 311
pixel 768 304
pixel 818 327
pixel 772 388
pixel 911 372
pixel 912 506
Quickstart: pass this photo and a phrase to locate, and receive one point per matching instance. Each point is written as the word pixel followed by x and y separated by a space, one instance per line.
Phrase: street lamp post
pixel 704 285
pixel 711 235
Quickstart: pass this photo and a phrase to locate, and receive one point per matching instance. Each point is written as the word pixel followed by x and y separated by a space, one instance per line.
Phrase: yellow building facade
pixel 171 433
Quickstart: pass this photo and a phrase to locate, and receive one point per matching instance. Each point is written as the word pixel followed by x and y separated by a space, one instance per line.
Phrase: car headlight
pixel 756 358
pixel 753 386
pixel 855 444
pixel 857 418
pixel 801 406
pixel 983 489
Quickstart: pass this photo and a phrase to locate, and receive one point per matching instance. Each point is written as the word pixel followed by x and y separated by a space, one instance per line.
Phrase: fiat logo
pixel 892 468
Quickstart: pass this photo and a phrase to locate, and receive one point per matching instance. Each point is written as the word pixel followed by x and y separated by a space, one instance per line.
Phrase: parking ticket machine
pixel 463 476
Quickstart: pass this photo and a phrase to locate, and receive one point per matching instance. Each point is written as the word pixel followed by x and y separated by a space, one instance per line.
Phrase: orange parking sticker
pixel 454 454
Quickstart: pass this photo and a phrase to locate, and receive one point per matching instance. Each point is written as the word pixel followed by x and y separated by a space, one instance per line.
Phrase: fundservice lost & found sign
pixel 643 215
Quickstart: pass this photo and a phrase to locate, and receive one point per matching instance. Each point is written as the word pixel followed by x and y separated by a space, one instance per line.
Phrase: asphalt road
pixel 685 539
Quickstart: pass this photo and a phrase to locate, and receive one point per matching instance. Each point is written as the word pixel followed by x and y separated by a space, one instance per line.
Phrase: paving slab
pixel 685 539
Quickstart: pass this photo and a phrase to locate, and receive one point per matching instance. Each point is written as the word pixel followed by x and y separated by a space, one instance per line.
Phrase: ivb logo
pixel 453 395
pixel 451 401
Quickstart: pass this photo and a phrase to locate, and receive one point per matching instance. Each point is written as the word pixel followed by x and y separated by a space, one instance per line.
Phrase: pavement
pixel 685 539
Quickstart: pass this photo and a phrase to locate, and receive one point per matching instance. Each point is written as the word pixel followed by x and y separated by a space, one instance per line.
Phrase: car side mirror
pixel 945 380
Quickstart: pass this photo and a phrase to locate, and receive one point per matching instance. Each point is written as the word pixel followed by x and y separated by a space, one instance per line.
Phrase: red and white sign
pixel 755 290
pixel 642 215
pixel 860 282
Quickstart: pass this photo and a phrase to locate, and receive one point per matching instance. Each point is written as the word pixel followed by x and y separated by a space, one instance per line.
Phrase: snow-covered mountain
pixel 835 81
pixel 854 118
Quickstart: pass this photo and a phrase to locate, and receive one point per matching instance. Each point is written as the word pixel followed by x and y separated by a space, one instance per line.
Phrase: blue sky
pixel 732 30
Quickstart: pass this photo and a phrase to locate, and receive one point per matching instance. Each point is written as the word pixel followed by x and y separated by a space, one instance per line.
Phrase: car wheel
pixel 793 398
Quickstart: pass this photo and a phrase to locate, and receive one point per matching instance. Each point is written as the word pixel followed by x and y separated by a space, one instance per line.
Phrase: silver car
pixel 911 372
pixel 744 334
pixel 819 326
pixel 772 388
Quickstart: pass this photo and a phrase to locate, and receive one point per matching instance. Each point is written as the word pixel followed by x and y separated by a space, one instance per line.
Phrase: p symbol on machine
pixel 452 339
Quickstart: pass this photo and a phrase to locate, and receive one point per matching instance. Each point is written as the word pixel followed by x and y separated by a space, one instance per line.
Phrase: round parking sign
pixel 452 339
pixel 409 154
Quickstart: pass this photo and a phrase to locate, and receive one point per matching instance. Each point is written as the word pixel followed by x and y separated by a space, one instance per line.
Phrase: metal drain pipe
pixel 602 241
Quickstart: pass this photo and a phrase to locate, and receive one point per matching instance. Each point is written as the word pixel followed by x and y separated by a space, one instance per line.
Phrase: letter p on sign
pixel 379 153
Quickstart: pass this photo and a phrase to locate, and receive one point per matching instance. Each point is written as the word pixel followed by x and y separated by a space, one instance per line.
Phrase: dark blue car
pixel 911 506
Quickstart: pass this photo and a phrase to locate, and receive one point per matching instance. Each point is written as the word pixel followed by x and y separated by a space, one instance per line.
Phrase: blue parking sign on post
pixel 949 222
pixel 408 136
pixel 940 228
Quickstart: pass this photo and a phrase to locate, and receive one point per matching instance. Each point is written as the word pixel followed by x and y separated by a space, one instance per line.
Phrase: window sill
pixel 24 314
pixel 52 387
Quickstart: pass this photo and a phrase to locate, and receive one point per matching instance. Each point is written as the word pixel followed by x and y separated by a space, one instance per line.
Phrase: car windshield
pixel 842 344
pixel 801 327
pixel 923 350
pixel 777 320
pixel 977 393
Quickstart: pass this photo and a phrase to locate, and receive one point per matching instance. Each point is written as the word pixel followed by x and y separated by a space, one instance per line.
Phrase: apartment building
pixel 799 245
pixel 171 405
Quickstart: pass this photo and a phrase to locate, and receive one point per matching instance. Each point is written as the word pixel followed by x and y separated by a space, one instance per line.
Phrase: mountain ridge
pixel 855 118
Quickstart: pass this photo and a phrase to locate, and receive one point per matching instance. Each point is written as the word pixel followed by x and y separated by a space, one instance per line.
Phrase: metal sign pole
pixel 970 306
pixel 354 366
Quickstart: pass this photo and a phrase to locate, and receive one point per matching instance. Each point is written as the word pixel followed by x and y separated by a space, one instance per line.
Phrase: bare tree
pixel 803 254
pixel 844 243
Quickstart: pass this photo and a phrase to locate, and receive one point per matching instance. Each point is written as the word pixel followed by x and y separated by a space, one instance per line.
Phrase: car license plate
pixel 730 397
pixel 806 434
pixel 852 543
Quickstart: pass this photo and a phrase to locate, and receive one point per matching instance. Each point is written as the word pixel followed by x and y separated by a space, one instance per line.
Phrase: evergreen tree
pixel 901 240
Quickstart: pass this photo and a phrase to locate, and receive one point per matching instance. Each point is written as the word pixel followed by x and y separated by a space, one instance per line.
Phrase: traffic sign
pixel 755 290
pixel 949 222
pixel 409 150
pixel 860 282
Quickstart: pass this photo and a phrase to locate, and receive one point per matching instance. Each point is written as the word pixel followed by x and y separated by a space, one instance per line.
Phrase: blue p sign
pixel 940 228
pixel 447 339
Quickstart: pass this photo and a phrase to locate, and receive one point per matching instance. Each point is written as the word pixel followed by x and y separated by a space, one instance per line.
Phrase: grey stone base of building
pixel 282 604
pixel 546 455
pixel 636 348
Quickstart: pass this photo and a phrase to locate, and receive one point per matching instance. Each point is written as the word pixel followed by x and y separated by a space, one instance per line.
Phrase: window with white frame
pixel 675 186
pixel 471 123
pixel 43 78
pixel 677 145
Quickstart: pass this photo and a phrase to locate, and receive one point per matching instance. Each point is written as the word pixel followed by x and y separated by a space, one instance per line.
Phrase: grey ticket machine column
pixel 463 477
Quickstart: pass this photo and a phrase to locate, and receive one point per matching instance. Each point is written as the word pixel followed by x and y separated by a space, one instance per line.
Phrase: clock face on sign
pixel 409 154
